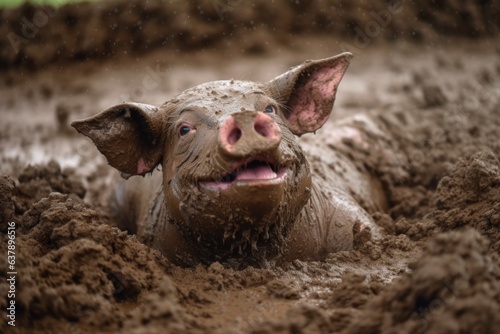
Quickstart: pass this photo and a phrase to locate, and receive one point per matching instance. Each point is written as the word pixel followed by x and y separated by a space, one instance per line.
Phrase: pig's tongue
pixel 256 173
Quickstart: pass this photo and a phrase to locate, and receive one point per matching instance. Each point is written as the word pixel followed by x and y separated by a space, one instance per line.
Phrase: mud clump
pixel 7 208
pixel 433 96
pixel 37 182
pixel 161 313
pixel 280 289
pixel 454 286
pixel 303 319
pixel 62 114
pixel 470 197
pixel 354 291
pixel 441 15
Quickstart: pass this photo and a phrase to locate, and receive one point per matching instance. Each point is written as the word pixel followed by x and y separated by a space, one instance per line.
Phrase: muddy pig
pixel 235 185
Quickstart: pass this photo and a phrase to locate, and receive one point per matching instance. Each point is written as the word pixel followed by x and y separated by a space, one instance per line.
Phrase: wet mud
pixel 38 36
pixel 434 267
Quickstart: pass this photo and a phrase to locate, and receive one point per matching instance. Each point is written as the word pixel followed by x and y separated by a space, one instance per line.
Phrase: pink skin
pixel 142 168
pixel 230 133
pixel 320 87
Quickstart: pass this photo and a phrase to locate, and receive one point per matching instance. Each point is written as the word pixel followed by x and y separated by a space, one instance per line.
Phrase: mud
pixel 434 269
pixel 38 36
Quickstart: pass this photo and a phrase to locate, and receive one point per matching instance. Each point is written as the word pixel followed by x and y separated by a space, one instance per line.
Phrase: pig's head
pixel 234 176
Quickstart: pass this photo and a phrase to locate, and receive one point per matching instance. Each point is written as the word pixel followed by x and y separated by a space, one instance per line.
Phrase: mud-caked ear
pixel 308 92
pixel 128 134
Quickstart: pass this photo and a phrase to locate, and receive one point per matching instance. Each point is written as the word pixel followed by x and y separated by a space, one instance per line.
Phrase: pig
pixel 233 182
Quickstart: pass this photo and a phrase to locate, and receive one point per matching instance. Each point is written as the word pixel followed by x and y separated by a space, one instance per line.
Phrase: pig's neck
pixel 163 234
pixel 321 228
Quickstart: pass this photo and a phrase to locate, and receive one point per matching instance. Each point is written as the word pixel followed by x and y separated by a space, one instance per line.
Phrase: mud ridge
pixel 36 36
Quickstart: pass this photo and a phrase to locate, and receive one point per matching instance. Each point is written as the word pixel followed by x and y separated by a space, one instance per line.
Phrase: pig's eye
pixel 270 109
pixel 184 130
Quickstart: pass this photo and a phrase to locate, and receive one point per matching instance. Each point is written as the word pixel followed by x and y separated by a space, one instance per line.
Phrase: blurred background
pixel 47 31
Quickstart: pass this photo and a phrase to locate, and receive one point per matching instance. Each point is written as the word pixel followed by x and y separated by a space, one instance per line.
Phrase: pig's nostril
pixel 248 132
pixel 266 127
pixel 262 129
pixel 234 136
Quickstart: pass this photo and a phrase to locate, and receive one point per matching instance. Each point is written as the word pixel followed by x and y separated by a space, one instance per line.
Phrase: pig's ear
pixel 128 134
pixel 308 92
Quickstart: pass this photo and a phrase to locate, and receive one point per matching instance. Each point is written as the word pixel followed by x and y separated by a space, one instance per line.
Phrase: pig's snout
pixel 248 133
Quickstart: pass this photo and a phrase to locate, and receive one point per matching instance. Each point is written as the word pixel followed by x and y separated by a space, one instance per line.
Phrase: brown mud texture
pixel 112 28
pixel 430 78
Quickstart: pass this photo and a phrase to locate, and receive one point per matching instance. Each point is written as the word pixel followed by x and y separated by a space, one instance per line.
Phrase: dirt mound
pixel 470 197
pixel 7 209
pixel 76 269
pixel 454 287
pixel 37 36
pixel 37 182
pixel 433 138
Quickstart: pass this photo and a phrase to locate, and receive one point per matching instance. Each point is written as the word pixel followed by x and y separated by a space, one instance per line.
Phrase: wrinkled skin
pixel 237 186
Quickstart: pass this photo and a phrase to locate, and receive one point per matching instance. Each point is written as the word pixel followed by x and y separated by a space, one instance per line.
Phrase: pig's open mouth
pixel 254 172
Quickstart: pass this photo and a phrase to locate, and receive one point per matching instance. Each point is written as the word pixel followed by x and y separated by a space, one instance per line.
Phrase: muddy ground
pixel 436 268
